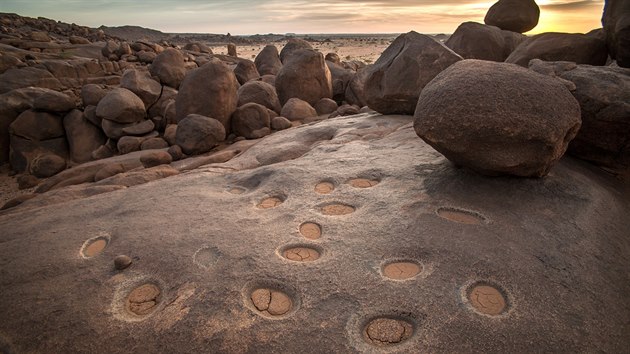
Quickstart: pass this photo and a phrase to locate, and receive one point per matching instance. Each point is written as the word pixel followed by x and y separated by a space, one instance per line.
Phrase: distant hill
pixel 135 33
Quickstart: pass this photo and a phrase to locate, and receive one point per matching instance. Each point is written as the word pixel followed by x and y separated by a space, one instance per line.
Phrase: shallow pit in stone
pixel 385 331
pixel 324 188
pixel 271 302
pixel 363 183
pixel 301 253
pixel 236 190
pixel 311 230
pixel 401 270
pixel 461 216
pixel 270 202
pixel 143 300
pixel 487 299
pixel 337 209
pixel 94 246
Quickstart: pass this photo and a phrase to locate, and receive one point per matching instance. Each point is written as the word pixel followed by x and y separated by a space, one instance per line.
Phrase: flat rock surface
pixel 503 264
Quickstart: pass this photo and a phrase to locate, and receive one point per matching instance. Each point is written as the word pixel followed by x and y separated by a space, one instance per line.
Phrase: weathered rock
pixel 134 178
pixel 280 123
pixel 34 125
pixel 198 47
pixel 114 130
pixel 18 200
pixel 176 152
pixel 616 21
pixel 296 109
pixel 127 144
pixel 306 76
pixel 268 61
pixel 292 46
pixel 488 130
pixel 53 101
pixel 395 81
pixel 46 165
pixel 197 134
pixel 83 137
pixel 325 106
pixel 123 49
pixel 121 106
pixel 8 61
pixel 604 97
pixel 168 94
pixel 169 67
pixel 473 40
pixel 146 57
pixel 102 152
pixel 211 91
pixel 231 48
pixel 575 47
pixel 16 78
pixel 39 36
pixel 269 79
pixel 92 94
pixel 340 77
pixel 245 71
pixel 154 143
pixel 122 262
pixel 141 83
pixel 170 133
pixel 261 93
pixel 355 92
pixel 250 121
pixel 109 49
pixel 333 58
pixel 90 114
pixel 156 158
pixel 110 169
pixel 78 40
pixel 513 15
pixel 140 128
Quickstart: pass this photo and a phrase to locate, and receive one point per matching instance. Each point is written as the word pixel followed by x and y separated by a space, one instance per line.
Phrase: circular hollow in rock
pixel 311 230
pixel 270 302
pixel 301 254
pixel 93 247
pixel 142 300
pixel 487 299
pixel 461 216
pixel 236 190
pixel 337 209
pixel 385 331
pixel 402 270
pixel 270 202
pixel 363 183
pixel 324 188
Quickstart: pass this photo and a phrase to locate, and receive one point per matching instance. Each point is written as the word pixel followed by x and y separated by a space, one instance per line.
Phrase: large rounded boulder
pixel 473 40
pixel 259 92
pixel 513 15
pixel 292 46
pixel 251 121
pixel 141 83
pixel 170 67
pixel 121 106
pixel 497 118
pixel 575 47
pixel 305 76
pixel 197 134
pixel 268 61
pixel 393 83
pixel 211 91
pixel 616 21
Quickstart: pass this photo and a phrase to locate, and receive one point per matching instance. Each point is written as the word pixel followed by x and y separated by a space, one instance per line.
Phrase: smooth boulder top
pixel 616 21
pixel 553 46
pixel 513 15
pixel 474 40
pixel 197 134
pixel 497 118
pixel 121 106
pixel 306 76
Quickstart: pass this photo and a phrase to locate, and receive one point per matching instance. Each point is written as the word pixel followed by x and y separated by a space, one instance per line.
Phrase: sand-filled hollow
pixel 401 270
pixel 143 299
pixel 270 202
pixel 271 302
pixel 311 230
pixel 461 216
pixel 324 188
pixel 301 254
pixel 487 299
pixel 337 209
pixel 387 331
pixel 363 183
pixel 94 247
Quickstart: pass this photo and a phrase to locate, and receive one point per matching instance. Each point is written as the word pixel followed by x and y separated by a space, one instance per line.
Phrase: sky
pixel 297 16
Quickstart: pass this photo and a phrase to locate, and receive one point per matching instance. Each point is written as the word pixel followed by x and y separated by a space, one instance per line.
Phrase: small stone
pixel 122 262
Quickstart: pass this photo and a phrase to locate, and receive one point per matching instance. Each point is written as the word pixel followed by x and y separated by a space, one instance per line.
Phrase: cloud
pixel 573 5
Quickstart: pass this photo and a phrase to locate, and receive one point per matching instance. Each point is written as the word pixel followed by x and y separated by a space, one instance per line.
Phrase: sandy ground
pixel 364 49
pixel 9 186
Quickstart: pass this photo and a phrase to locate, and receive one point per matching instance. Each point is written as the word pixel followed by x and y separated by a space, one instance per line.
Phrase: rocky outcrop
pixel 616 21
pixel 305 76
pixel 473 40
pixel 83 137
pixel 394 82
pixel 211 91
pixel 121 106
pixel 469 114
pixel 246 71
pixel 513 15
pixel 141 83
pixel 575 47
pixel 341 78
